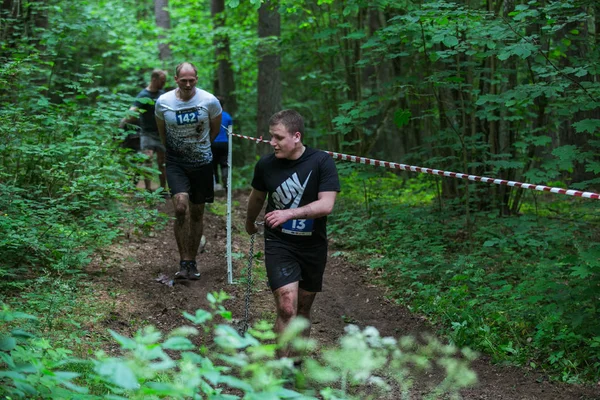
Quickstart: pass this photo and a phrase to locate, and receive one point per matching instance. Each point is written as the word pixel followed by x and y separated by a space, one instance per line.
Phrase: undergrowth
pixel 155 365
pixel 67 192
pixel 523 289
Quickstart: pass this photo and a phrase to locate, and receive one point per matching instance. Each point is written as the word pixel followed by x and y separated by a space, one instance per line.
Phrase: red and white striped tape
pixel 475 178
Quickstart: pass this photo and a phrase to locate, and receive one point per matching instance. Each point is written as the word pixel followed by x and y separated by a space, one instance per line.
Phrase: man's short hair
pixel 290 119
pixel 185 64
pixel 157 73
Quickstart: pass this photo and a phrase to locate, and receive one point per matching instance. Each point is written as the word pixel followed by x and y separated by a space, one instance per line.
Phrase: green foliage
pixel 459 87
pixel 522 289
pixel 66 186
pixel 63 181
pixel 172 366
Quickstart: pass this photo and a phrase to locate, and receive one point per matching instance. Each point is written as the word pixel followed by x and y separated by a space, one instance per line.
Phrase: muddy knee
pixel 286 312
pixel 181 206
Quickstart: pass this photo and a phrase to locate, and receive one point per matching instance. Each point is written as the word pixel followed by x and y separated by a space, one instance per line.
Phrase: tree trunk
pixel 269 62
pixel 224 85
pixel 163 21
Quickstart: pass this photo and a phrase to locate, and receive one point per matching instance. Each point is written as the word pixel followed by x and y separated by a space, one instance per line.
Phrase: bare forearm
pixel 255 204
pixel 319 208
pixel 160 124
pixel 215 127
pixel 131 118
pixel 316 209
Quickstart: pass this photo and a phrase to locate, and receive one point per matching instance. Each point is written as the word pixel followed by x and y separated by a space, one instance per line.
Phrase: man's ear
pixel 297 137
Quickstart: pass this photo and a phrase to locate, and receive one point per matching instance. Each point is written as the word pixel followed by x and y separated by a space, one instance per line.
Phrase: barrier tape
pixel 474 178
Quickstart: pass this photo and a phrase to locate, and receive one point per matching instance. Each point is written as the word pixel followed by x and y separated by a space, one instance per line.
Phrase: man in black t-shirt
pixel 302 185
pixel 150 143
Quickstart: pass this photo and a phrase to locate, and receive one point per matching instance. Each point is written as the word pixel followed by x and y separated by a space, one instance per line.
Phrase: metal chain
pixel 245 325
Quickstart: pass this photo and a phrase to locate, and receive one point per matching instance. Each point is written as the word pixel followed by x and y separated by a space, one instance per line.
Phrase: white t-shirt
pixel 187 126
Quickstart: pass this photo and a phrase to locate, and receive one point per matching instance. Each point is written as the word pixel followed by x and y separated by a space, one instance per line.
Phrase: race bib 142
pixel 187 117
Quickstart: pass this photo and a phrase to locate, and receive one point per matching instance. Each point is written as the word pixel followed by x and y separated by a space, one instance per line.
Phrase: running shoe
pixel 183 271
pixel 193 273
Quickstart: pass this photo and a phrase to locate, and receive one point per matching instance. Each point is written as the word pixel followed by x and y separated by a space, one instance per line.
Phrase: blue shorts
pixel 287 263
pixel 195 181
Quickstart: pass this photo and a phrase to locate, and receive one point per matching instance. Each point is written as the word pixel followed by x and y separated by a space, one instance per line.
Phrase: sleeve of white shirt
pixel 158 109
pixel 214 108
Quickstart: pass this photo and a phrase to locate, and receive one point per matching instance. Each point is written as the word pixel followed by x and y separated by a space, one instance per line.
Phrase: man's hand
pixel 278 217
pixel 251 227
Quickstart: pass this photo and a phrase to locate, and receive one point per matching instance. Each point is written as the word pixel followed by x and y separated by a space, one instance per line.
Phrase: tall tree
pixel 224 85
pixel 269 63
pixel 163 21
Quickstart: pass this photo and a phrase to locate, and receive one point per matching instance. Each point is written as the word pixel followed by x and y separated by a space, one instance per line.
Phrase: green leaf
pixel 184 331
pixel 450 41
pixel 178 343
pixel 125 342
pixel 236 383
pixel 7 343
pixel 355 35
pixel 434 56
pixel 581 271
pixel 200 317
pixel 566 155
pixel 19 333
pixel 117 372
pixel 401 117
pixel 587 125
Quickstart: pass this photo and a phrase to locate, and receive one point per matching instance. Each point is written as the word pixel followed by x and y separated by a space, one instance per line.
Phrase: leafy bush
pixel 523 289
pixel 231 366
pixel 64 179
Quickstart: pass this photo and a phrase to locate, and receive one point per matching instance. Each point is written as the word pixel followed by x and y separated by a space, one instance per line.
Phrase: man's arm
pixel 255 204
pixel 132 117
pixel 215 127
pixel 321 207
pixel 160 124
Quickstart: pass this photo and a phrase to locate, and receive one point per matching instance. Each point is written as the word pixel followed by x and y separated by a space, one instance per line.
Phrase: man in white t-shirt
pixel 188 120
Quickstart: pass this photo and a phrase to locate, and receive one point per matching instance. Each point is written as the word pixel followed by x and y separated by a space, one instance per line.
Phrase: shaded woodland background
pixel 496 88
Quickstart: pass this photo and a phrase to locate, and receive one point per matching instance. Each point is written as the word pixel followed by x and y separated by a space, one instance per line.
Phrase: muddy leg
pixel 286 303
pixel 196 228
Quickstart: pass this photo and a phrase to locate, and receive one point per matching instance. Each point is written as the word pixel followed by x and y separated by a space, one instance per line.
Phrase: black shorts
pixel 287 263
pixel 196 181
pixel 219 150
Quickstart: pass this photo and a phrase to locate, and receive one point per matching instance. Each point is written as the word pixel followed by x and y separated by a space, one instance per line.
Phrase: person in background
pixel 220 150
pixel 301 184
pixel 188 121
pixel 143 106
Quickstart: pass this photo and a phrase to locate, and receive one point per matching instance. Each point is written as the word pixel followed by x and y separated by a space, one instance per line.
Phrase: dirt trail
pixel 349 297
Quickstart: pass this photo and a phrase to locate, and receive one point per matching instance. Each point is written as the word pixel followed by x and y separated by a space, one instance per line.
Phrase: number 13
pixel 299 224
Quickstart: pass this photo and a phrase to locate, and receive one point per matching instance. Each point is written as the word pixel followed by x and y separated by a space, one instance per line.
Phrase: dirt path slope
pixel 348 297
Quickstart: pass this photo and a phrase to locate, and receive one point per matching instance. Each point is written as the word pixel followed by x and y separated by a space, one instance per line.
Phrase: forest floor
pixel 350 295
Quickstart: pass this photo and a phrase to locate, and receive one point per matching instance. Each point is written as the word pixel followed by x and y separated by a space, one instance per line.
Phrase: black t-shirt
pixel 147 119
pixel 293 184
